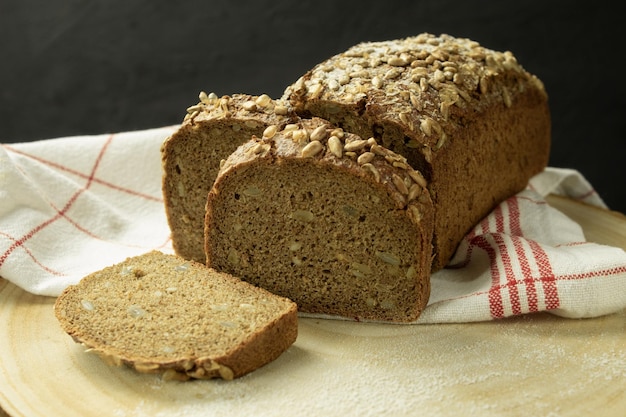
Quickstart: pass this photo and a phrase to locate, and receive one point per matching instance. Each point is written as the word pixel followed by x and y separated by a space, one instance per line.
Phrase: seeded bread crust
pixel 338 224
pixel 160 313
pixel 211 130
pixel 472 120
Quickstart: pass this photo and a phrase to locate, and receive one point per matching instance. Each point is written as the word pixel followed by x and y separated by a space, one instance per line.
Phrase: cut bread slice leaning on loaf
pixel 471 119
pixel 191 157
pixel 159 313
pixel 332 221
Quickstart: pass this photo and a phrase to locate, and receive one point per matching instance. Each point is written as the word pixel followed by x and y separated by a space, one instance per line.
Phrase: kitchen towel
pixel 71 206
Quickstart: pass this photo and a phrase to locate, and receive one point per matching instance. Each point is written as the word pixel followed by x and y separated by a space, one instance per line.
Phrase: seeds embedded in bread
pixel 337 236
pixel 161 313
pixel 465 126
pixel 471 119
pixel 212 130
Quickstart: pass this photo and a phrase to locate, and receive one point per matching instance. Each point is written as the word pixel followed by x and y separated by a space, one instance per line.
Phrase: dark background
pixel 89 67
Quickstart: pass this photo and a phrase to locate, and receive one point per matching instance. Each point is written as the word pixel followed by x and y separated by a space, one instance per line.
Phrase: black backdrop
pixel 82 67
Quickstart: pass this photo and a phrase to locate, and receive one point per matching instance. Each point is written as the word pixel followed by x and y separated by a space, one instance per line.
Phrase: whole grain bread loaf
pixel 337 223
pixel 471 119
pixel 191 157
pixel 162 313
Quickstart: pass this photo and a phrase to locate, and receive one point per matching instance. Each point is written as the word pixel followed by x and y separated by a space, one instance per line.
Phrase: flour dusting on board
pixel 356 369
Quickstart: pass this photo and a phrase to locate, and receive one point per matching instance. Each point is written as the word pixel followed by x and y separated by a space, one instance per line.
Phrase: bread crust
pixel 471 119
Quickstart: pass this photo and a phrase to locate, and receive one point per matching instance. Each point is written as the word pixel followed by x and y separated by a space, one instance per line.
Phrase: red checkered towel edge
pixel 527 257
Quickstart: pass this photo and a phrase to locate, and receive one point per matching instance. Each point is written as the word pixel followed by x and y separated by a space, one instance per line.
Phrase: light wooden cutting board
pixel 532 365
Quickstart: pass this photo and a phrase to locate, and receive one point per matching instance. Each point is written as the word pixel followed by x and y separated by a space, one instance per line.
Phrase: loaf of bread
pixel 161 313
pixel 472 120
pixel 334 222
pixel 469 122
pixel 191 157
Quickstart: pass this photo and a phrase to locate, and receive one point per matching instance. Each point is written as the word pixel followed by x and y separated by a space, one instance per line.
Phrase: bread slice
pixel 334 222
pixel 191 157
pixel 471 119
pixel 160 313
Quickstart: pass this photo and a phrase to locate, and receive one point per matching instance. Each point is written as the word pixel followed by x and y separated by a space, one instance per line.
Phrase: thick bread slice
pixel 336 223
pixel 161 313
pixel 471 119
pixel 191 157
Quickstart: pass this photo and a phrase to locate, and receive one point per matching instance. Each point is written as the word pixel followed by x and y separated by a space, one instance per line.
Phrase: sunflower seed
pixel 249 106
pixel 414 191
pixel 373 170
pixel 399 183
pixel 319 133
pixel 270 131
pixel 365 158
pixel 303 215
pixel 300 135
pixel 389 258
pixel 312 149
pixel 87 305
pixel 135 311
pixel 335 146
pixel 417 177
pixel 355 145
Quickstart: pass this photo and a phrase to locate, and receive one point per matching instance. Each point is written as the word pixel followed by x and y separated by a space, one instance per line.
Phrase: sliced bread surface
pixel 334 222
pixel 191 158
pixel 161 313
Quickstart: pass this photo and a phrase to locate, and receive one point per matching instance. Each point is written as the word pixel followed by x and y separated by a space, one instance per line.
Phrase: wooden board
pixel 533 365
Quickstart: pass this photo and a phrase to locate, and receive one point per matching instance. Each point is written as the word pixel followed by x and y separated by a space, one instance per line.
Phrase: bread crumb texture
pixel 213 128
pixel 162 313
pixel 336 223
